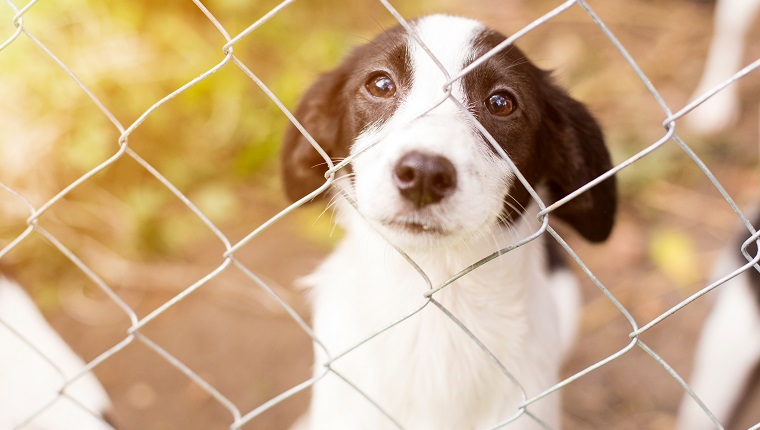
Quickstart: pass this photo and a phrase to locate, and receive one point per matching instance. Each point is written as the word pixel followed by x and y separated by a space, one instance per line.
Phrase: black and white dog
pixel 34 363
pixel 729 346
pixel 433 186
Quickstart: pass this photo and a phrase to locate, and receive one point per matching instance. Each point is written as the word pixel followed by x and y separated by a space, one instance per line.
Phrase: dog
pixel 728 351
pixel 425 181
pixel 731 23
pixel 34 364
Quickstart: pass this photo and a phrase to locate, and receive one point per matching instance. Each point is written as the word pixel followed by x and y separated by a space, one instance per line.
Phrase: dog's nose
pixel 424 179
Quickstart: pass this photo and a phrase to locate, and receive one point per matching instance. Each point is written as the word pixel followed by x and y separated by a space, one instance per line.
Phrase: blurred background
pixel 217 143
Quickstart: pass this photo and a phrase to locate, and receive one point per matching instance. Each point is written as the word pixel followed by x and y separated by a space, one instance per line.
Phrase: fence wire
pixel 239 415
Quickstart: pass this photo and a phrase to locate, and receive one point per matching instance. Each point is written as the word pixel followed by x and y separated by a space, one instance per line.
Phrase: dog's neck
pixel 431 263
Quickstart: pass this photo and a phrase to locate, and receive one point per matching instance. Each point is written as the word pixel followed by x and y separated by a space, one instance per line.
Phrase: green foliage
pixel 214 139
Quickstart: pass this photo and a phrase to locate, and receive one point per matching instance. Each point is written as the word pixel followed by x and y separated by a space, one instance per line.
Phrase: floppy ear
pixel 321 112
pixel 575 154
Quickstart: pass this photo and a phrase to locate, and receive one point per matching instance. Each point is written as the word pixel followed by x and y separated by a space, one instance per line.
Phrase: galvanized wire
pixel 241 416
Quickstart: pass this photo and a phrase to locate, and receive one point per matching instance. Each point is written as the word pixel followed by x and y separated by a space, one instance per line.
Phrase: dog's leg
pixel 731 23
pixel 728 351
pixel 566 291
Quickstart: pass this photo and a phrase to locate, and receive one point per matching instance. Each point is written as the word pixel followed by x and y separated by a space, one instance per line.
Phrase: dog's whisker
pixel 335 160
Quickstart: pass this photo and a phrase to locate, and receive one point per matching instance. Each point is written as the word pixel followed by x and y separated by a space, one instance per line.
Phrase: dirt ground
pixel 247 347
pixel 235 336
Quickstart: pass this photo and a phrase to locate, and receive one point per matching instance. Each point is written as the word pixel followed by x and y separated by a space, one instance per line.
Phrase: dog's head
pixel 436 175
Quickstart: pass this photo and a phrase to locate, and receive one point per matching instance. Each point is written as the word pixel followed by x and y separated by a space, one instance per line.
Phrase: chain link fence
pixel 45 214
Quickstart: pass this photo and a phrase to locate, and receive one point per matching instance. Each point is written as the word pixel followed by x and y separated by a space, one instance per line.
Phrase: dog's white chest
pixel 419 365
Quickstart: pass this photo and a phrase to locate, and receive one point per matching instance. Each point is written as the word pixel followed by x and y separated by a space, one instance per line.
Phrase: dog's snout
pixel 424 179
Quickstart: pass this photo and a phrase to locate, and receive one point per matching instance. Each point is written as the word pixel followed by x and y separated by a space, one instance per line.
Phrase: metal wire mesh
pixel 240 416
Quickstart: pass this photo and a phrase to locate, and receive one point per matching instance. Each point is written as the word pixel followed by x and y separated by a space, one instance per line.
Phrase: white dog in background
pixel 729 346
pixel 28 381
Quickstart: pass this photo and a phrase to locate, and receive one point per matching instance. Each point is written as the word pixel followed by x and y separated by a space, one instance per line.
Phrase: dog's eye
pixel 500 104
pixel 381 86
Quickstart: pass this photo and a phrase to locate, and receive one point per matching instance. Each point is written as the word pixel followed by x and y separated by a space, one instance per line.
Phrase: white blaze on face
pixel 482 177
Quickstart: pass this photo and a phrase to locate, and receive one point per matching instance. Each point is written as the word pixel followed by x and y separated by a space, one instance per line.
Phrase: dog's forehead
pixel 449 38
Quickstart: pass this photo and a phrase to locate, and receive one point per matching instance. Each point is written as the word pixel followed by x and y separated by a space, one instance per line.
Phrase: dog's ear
pixel 575 153
pixel 321 112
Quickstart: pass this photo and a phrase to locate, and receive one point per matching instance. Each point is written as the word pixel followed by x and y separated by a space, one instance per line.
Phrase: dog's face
pixel 430 173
